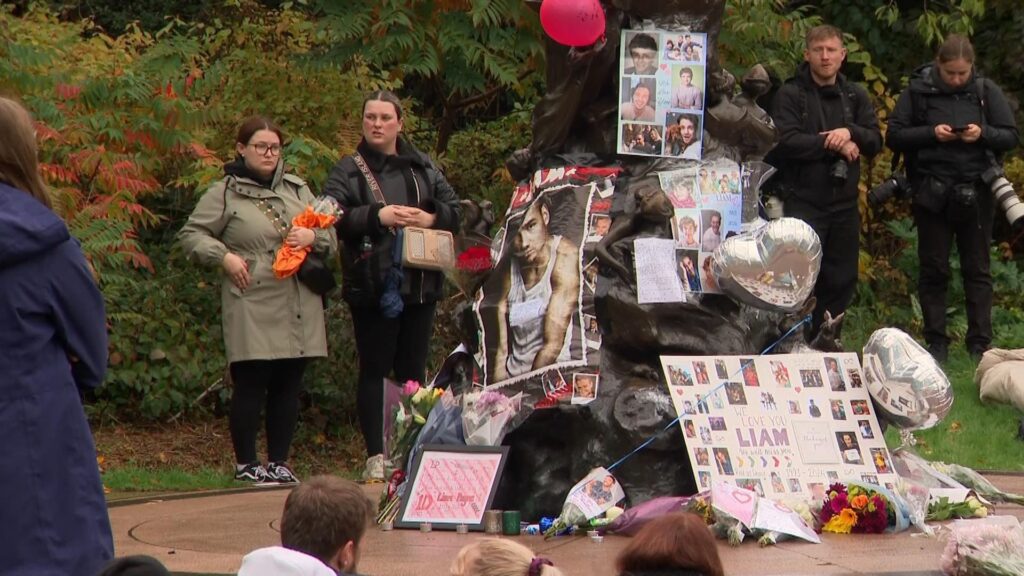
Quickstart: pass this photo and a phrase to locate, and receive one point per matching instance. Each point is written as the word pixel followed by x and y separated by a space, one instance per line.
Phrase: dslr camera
pixel 1005 196
pixel 839 171
pixel 895 186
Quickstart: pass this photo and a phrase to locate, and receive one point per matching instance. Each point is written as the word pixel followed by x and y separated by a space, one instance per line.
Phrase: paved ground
pixel 210 534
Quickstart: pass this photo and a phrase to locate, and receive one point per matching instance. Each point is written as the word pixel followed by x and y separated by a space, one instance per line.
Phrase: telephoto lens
pixel 1005 196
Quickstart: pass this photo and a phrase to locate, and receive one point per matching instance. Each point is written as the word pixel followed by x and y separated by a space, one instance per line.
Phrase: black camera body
pixel 963 195
pixel 897 185
pixel 839 171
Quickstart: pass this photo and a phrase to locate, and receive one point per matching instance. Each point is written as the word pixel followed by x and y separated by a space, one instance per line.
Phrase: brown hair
pixel 956 47
pixel 385 96
pixel 19 162
pixel 675 541
pixel 323 514
pixel 502 557
pixel 822 32
pixel 254 124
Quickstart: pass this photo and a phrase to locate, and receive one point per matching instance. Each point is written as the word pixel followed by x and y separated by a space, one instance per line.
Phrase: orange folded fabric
pixel 289 259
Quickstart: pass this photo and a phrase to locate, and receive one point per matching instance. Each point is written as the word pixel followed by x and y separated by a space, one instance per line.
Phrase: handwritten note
pixel 656 277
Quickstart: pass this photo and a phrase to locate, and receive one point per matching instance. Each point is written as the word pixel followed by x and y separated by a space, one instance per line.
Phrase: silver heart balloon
pixel 909 388
pixel 773 267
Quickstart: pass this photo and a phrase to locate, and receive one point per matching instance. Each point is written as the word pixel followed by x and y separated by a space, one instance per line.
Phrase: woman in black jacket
pixel 951 126
pixel 415 193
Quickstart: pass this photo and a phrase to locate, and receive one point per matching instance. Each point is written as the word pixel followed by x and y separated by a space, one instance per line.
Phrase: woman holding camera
pixel 272 326
pixel 952 126
pixel 387 185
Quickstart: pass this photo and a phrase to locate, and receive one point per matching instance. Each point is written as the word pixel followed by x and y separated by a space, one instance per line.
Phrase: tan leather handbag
pixel 422 248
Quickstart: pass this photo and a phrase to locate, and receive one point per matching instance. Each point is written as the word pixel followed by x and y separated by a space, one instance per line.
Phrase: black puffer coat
pixel 928 102
pixel 366 254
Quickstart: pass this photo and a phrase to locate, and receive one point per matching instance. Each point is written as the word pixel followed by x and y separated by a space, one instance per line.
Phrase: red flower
pixel 474 259
pixel 874 522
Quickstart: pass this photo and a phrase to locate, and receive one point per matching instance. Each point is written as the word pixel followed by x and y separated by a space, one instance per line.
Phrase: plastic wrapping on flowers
pixel 862 508
pixel 410 415
pixel 984 550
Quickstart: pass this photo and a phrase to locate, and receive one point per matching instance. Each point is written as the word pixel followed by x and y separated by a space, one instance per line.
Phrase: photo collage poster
pixel 661 93
pixel 707 201
pixel 539 298
pixel 784 425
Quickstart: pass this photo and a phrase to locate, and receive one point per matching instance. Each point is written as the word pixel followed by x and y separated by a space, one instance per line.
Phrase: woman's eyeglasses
pixel 267 149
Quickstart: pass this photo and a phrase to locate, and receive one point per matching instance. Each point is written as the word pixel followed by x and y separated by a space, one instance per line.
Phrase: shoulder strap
pixel 279 223
pixel 370 180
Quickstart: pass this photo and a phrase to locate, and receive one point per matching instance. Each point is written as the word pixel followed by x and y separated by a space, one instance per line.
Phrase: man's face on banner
pixel 532 234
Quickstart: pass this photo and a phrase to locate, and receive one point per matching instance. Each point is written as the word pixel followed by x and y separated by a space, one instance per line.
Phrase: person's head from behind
pixel 643 49
pixel 955 61
pixel 824 53
pixel 494 557
pixel 259 143
pixel 677 541
pixel 326 517
pixel 19 163
pixel 139 565
pixel 382 121
pixel 531 239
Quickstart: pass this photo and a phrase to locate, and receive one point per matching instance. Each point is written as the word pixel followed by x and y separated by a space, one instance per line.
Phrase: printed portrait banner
pixel 781 425
pixel 708 202
pixel 661 95
pixel 452 485
pixel 535 312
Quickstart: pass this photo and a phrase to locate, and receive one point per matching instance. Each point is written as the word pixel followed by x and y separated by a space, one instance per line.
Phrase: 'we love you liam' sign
pixel 782 426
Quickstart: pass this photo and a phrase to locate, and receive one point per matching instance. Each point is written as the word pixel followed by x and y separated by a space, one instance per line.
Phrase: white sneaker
pixel 374 471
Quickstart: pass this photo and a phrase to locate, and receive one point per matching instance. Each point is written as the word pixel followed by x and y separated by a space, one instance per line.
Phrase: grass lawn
pixel 977 435
pixel 981 436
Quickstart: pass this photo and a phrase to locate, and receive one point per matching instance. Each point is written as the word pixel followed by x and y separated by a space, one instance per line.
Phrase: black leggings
pixel 278 383
pixel 385 344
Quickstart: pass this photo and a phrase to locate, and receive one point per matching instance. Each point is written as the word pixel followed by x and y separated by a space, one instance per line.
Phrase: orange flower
pixel 841 523
pixel 859 502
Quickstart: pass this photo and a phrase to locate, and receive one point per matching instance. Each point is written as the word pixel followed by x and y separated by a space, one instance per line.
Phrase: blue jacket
pixel 53 342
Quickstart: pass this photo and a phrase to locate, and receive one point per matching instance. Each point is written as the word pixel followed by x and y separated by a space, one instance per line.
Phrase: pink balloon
pixel 572 22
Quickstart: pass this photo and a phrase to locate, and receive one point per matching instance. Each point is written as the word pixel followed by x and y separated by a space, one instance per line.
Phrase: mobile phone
pixel 958 128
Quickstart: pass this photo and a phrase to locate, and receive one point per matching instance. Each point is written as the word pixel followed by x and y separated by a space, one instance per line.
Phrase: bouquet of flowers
pixel 855 509
pixel 591 497
pixel 978 483
pixel 943 509
pixel 472 263
pixel 410 414
pixel 986 550
pixel 487 416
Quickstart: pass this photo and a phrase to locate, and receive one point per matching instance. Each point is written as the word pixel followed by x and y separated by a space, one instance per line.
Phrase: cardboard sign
pixel 780 425
pixel 452 485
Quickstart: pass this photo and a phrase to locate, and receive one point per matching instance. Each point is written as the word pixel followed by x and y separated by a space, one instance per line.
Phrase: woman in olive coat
pixel 271 326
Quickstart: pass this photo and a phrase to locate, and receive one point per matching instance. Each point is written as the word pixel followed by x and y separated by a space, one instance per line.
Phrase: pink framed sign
pixel 452 485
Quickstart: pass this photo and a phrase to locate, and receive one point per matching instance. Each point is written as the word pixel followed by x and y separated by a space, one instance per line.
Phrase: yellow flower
pixel 841 523
pixel 859 501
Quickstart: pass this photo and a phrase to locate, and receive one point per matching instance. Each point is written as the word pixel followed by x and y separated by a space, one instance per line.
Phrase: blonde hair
pixel 498 557
pixel 19 163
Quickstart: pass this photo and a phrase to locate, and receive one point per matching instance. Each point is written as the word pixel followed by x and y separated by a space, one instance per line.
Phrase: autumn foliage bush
pixel 133 127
